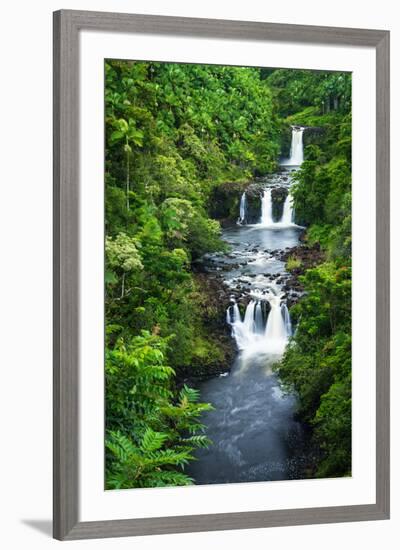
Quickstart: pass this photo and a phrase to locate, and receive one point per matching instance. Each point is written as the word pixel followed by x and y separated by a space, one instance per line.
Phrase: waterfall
pixel 286 317
pixel 275 330
pixel 253 334
pixel 296 149
pixel 248 321
pixel 266 208
pixel 287 214
pixel 258 319
pixel 233 314
pixel 266 211
pixel 242 209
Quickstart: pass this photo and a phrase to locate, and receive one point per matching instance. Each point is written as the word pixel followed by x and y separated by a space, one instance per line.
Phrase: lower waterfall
pixel 259 332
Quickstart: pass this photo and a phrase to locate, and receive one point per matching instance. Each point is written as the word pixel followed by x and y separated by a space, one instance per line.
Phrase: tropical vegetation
pixel 174 134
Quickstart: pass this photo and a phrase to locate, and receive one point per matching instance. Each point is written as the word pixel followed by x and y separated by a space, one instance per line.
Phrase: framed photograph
pixel 221 275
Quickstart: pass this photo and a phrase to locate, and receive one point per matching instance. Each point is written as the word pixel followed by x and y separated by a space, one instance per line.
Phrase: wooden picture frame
pixel 67 26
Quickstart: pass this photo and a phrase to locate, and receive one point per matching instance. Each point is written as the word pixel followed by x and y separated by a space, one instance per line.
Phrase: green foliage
pixel 301 94
pixel 293 263
pixel 121 254
pixel 317 363
pixel 333 428
pixel 151 430
pixel 186 227
pixel 145 464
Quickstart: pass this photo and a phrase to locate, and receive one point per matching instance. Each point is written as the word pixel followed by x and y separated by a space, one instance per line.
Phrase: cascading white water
pixel 266 208
pixel 287 214
pixel 248 321
pixel 258 319
pixel 275 330
pixel 296 149
pixel 253 335
pixel 266 211
pixel 242 209
pixel 233 314
pixel 286 317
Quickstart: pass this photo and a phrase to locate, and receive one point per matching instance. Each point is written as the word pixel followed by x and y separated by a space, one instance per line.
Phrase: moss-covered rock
pixel 253 202
pixel 225 200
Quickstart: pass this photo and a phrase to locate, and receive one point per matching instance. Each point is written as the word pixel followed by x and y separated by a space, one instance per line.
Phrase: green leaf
pixel 116 136
pixel 110 277
pixel 152 441
pixel 123 125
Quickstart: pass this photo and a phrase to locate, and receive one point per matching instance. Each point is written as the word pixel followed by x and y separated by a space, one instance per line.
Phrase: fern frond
pixel 189 394
pixel 200 441
pixel 152 441
pixel 169 456
pixel 121 446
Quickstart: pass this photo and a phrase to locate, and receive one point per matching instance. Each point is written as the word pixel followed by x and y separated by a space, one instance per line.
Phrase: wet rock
pixel 224 204
pixel 279 195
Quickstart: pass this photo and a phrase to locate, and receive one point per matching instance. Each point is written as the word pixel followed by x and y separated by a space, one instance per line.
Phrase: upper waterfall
pixel 296 148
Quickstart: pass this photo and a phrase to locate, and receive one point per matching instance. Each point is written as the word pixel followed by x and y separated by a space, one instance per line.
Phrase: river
pixel 253 428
